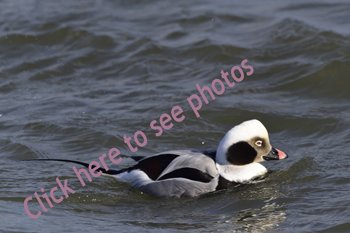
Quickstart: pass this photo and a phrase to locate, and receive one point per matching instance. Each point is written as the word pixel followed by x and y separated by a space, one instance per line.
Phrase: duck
pixel 190 173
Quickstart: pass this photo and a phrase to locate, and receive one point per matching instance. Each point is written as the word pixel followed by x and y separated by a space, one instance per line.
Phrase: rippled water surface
pixel 76 76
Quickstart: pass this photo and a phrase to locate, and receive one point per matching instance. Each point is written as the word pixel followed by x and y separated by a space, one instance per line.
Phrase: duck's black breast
pixel 225 184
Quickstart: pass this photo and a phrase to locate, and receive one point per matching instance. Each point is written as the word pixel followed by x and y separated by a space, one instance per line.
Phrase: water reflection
pixel 267 217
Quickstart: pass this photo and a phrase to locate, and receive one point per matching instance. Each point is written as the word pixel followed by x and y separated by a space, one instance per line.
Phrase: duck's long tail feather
pixel 109 172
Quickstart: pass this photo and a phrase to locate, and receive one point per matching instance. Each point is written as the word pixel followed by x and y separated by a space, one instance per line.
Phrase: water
pixel 76 76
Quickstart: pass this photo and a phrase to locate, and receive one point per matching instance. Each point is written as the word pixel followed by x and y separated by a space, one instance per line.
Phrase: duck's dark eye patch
pixel 241 153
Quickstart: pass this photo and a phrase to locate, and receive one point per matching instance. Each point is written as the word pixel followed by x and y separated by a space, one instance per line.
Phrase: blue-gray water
pixel 76 76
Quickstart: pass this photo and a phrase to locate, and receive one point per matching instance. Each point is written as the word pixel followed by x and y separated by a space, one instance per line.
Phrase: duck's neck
pixel 241 174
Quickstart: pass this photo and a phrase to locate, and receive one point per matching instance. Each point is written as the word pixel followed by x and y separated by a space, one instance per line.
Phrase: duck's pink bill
pixel 281 154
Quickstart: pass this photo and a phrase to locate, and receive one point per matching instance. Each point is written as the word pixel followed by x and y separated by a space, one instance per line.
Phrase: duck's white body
pixel 183 173
pixel 188 174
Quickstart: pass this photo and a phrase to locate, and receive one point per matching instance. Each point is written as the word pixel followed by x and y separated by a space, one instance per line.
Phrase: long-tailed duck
pixel 188 173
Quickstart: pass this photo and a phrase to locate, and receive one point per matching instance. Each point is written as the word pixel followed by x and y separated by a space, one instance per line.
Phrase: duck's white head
pixel 247 143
